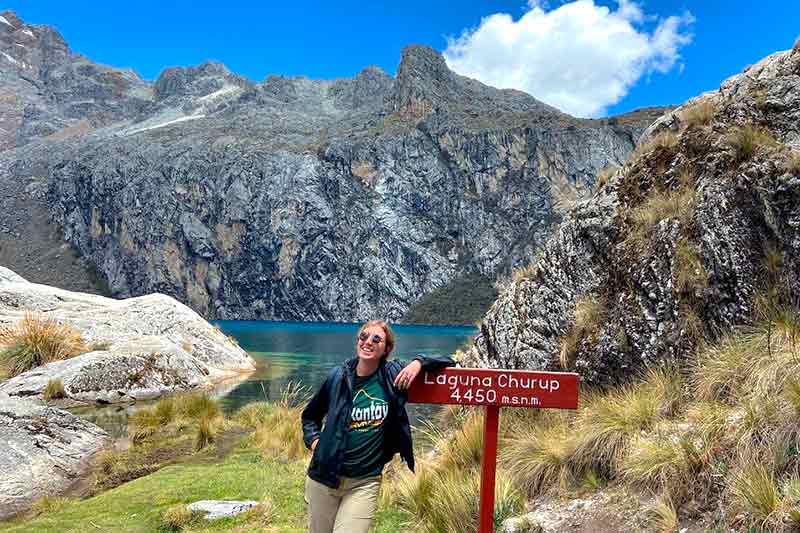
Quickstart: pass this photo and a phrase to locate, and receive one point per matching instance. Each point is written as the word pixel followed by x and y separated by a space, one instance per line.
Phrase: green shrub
pixel 35 341
pixel 254 414
pixel 464 300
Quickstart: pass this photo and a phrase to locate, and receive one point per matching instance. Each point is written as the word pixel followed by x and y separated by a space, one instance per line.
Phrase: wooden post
pixel 491 424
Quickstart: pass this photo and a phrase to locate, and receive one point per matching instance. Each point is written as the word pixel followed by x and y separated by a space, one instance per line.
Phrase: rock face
pixel 42 451
pixel 674 247
pixel 313 200
pixel 140 348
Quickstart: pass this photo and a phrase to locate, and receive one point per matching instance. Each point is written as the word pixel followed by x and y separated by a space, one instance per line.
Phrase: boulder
pixel 42 451
pixel 140 348
pixel 214 509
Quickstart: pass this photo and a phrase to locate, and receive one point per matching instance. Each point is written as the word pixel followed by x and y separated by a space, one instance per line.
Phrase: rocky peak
pixel 425 84
pixel 199 81
pixel 10 21
pixel 369 88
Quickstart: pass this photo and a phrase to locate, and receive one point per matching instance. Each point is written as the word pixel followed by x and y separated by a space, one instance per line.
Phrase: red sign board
pixel 503 388
pixel 495 389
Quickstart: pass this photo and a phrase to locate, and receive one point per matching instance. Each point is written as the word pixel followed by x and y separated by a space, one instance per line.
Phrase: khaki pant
pixel 348 509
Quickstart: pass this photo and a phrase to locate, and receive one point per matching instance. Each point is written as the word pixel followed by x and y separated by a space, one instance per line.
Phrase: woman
pixel 364 401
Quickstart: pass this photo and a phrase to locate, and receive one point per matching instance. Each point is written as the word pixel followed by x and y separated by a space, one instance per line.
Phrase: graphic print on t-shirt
pixel 368 411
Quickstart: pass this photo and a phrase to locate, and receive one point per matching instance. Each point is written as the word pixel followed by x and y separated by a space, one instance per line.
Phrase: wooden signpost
pixel 495 389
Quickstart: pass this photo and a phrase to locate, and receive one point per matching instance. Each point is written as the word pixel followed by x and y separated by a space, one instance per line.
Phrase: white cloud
pixel 578 57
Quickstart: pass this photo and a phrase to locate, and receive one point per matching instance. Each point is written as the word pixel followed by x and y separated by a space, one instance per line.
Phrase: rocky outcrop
pixel 139 348
pixel 303 199
pixel 42 452
pixel 674 247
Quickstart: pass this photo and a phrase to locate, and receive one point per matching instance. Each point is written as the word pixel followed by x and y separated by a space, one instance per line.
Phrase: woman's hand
pixel 407 375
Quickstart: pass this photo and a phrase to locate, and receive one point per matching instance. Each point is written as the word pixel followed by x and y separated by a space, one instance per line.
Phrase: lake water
pixel 300 352
pixel 305 351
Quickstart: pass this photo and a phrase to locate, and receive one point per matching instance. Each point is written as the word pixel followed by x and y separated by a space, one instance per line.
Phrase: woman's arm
pixel 314 412
pixel 409 371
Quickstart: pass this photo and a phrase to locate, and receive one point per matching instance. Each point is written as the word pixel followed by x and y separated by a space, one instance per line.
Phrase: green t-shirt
pixel 363 454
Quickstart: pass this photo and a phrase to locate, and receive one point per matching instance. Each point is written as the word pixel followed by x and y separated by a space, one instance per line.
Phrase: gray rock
pixel 144 347
pixel 42 451
pixel 215 509
pixel 295 198
pixel 739 208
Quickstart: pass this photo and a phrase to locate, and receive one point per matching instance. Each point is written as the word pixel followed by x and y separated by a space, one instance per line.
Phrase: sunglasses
pixel 363 336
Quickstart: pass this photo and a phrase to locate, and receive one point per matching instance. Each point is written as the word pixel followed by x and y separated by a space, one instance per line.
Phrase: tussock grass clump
pixel 278 434
pixel 177 518
pixel 447 501
pixel 664 141
pixel 48 504
pixel 663 461
pixel 792 163
pixel 746 141
pixel 36 341
pixel 606 426
pixel 206 433
pixel 54 390
pixel 756 492
pixel 590 315
pixel 604 175
pixel 690 274
pixel 253 414
pixel 663 515
pixel 196 406
pixel 528 271
pixel 699 114
pixel 662 204
pixel 539 454
pixel 263 514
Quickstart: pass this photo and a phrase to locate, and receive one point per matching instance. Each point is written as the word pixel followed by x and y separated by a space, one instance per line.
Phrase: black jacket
pixel 335 400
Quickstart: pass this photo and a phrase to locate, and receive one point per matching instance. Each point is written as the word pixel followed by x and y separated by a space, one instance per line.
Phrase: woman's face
pixel 371 343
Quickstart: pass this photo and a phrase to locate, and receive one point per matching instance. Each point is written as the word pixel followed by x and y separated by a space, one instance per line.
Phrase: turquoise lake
pixel 300 352
pixel 305 351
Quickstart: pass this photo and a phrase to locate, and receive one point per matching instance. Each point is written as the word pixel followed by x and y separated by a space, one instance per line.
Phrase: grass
pixel 699 114
pixel 54 390
pixel 792 163
pixel 666 141
pixel 589 317
pixel 277 428
pixel 690 276
pixel 746 141
pixel 139 505
pixel 756 492
pixel 35 341
pixel 604 175
pixel 661 204
pixel 664 516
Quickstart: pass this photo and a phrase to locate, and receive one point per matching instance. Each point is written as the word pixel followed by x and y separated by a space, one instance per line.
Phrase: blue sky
pixel 711 40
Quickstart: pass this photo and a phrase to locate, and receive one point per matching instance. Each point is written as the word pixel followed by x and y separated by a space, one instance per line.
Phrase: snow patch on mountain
pixel 5 21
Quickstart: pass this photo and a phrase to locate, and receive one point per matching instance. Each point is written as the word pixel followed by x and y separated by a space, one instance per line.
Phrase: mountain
pixel 697 233
pixel 289 198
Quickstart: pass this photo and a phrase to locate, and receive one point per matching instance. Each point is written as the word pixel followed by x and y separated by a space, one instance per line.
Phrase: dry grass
pixel 747 141
pixel 689 273
pixel 756 492
pixel 48 504
pixel 590 316
pixel 446 501
pixel 206 433
pixel 661 204
pixel 699 114
pixel 604 175
pixel 528 271
pixel 664 141
pixel 792 163
pixel 178 518
pixel 664 516
pixel 278 431
pixel 35 341
pixel 54 390
pixel 539 454
pixel 664 461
